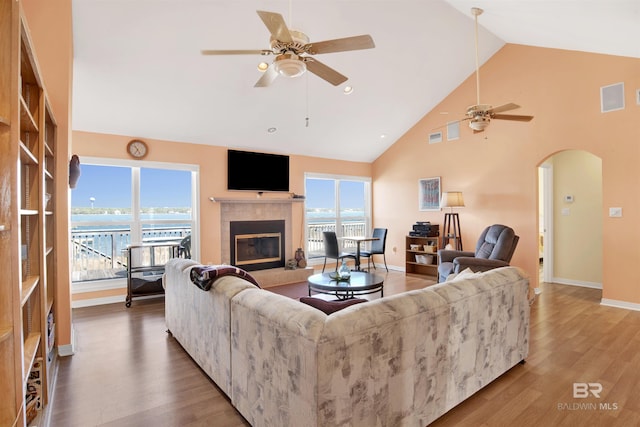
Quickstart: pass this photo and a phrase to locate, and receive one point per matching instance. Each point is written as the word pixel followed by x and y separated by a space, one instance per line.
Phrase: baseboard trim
pixel 571 282
pixel 115 299
pixel 620 304
pixel 68 349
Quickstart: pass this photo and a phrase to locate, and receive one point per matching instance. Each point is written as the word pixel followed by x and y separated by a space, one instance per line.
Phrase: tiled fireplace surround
pixel 258 210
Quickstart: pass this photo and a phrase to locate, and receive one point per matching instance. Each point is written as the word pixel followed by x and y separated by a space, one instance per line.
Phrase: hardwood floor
pixel 128 372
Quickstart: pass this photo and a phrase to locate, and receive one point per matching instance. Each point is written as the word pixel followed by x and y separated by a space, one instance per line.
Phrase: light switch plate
pixel 615 212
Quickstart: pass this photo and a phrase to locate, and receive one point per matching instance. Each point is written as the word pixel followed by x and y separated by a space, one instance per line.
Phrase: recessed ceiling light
pixel 383 136
pixel 272 130
pixel 263 66
pixel 347 90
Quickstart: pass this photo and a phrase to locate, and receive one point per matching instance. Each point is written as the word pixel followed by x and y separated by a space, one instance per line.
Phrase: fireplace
pixel 257 245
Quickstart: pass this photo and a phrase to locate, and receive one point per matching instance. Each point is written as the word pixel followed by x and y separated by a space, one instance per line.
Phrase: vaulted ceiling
pixel 138 70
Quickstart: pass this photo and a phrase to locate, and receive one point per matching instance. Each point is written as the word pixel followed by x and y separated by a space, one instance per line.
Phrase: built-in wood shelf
pixel 30 350
pixel 27 122
pixel 26 155
pixel 28 286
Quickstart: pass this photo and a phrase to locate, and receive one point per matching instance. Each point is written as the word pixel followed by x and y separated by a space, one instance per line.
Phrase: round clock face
pixel 137 149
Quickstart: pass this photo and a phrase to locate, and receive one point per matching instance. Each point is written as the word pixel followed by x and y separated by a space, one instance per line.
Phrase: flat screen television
pixel 248 170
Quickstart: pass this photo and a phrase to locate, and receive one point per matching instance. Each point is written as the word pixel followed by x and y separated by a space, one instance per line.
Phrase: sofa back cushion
pixel 384 362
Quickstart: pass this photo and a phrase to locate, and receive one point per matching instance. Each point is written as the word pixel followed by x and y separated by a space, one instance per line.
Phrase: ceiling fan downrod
pixel 476 11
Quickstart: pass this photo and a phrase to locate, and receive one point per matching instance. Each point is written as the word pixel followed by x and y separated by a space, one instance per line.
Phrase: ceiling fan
pixel 294 52
pixel 480 115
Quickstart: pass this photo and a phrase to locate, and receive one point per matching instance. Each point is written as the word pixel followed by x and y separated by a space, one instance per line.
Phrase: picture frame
pixel 429 194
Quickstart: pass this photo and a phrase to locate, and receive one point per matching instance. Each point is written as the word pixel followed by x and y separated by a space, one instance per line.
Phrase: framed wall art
pixel 429 194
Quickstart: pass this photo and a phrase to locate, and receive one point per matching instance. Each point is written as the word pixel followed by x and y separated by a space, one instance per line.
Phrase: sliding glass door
pixel 335 203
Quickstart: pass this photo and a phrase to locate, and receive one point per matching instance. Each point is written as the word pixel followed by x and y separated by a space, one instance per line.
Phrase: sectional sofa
pixel 403 360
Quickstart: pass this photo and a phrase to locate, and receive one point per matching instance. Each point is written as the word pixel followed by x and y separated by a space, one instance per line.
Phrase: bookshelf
pixel 27 212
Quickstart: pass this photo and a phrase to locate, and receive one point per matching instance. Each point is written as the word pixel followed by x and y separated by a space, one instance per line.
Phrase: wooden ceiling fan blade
pixel 267 77
pixel 325 72
pixel 341 45
pixel 276 26
pixel 513 117
pixel 236 52
pixel 505 107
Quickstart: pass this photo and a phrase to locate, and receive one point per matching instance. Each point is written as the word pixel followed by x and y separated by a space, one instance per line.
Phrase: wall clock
pixel 137 149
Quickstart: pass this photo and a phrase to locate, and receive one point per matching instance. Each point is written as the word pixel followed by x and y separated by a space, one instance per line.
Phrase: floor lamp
pixel 452 199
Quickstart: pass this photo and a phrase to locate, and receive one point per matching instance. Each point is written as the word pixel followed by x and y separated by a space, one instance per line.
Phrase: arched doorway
pixel 570 218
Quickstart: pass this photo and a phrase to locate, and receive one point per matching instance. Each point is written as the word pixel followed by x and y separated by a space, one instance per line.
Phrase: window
pixel 340 204
pixel 114 205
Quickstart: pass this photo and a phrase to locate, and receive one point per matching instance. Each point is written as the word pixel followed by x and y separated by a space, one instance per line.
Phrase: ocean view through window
pixel 115 205
pixel 335 203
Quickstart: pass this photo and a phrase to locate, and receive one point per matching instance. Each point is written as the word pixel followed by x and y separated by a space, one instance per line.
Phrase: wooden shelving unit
pixel 412 256
pixel 27 183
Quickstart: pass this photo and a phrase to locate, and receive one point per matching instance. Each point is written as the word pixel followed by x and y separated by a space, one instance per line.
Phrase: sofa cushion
pixel 329 307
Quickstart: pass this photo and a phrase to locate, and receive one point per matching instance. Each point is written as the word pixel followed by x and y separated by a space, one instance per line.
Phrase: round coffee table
pixel 360 283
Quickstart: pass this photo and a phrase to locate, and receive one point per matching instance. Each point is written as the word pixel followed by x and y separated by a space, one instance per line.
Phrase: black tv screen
pixel 247 170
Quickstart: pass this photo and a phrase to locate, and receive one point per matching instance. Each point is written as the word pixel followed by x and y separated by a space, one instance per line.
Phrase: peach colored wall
pixel 497 169
pixel 213 179
pixel 577 225
pixel 50 25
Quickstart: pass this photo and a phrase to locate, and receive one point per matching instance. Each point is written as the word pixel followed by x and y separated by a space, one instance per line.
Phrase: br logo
pixel 583 390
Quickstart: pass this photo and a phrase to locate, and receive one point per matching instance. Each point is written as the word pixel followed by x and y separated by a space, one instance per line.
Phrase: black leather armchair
pixel 494 249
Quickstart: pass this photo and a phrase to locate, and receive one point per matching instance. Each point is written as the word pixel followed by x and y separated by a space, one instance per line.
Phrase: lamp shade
pixel 451 199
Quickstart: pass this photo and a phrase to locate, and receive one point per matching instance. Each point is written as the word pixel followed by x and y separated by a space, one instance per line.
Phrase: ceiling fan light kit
pixel 289 65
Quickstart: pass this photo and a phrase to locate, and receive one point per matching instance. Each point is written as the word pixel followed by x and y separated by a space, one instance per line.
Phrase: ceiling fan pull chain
pixel 307 95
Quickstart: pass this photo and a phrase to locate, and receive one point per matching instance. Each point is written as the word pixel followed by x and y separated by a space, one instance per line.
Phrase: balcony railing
pixel 100 253
pixel 315 243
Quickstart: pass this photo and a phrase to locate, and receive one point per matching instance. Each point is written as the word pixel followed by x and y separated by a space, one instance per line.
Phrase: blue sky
pixel 111 187
pixel 321 193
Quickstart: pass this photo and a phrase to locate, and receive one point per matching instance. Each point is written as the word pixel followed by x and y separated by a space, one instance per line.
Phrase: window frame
pixel 136 223
pixel 368 218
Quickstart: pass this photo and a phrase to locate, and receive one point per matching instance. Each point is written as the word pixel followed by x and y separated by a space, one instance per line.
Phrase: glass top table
pixel 360 283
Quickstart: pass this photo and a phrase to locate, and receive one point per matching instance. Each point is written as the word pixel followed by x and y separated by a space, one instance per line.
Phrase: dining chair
pixel 332 249
pixel 377 247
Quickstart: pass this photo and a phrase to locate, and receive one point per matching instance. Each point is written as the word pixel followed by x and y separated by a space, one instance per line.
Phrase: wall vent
pixel 612 97
pixel 435 137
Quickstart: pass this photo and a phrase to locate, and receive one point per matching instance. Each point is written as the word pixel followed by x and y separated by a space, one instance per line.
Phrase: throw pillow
pixel 329 307
pixel 464 274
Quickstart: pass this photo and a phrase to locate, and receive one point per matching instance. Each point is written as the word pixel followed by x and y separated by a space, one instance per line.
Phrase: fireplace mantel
pixel 254 200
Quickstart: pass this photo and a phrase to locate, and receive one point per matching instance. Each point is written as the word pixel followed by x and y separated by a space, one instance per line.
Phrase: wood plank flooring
pixel 128 372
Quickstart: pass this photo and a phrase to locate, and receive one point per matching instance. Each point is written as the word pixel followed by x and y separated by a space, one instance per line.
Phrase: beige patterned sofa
pixel 402 360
